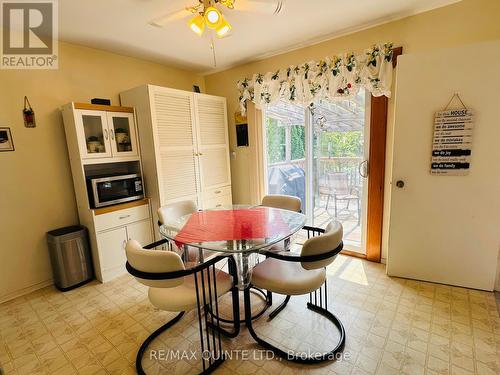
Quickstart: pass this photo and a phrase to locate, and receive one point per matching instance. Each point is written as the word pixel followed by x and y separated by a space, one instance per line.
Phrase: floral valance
pixel 333 78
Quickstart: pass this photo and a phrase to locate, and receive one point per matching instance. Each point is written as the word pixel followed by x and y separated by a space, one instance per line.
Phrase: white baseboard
pixel 24 291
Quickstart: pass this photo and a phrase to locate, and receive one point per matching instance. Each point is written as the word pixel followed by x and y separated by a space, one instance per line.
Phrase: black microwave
pixel 109 190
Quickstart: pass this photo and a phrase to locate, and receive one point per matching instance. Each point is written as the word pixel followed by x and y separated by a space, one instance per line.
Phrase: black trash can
pixel 70 257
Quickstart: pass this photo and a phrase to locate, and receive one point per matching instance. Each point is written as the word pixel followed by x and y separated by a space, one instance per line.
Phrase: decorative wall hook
pixel 28 114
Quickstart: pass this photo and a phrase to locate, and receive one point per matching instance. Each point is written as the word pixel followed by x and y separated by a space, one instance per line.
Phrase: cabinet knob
pixel 400 184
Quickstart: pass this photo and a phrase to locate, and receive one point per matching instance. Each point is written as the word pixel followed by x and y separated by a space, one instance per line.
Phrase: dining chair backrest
pixel 154 261
pixel 285 202
pixel 339 182
pixel 176 210
pixel 324 243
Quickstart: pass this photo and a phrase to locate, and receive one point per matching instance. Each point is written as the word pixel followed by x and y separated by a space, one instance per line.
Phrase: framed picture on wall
pixel 6 143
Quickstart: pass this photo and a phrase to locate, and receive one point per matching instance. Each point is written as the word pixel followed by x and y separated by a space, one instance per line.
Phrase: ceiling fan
pixel 207 13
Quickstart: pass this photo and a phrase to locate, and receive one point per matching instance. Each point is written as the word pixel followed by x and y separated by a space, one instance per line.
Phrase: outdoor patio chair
pixel 340 190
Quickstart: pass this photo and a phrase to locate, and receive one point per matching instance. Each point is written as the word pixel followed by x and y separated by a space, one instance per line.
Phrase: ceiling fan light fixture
pixel 197 24
pixel 223 28
pixel 227 3
pixel 212 17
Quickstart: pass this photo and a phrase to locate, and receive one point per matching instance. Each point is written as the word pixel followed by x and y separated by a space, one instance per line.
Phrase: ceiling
pixel 121 26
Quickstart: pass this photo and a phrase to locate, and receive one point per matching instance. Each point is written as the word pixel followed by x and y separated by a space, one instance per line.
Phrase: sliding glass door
pixel 319 154
pixel 285 133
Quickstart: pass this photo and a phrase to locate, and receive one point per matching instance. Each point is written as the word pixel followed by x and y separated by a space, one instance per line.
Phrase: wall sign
pixel 452 142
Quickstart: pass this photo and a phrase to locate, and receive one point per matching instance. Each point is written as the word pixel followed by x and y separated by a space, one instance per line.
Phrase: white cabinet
pixel 103 140
pixel 175 143
pixel 212 145
pixel 141 232
pixel 114 229
pixel 93 134
pixel 105 134
pixel 123 138
pixel 112 249
pixel 184 145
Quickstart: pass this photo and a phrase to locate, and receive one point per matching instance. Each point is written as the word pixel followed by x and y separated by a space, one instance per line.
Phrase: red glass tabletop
pixel 234 229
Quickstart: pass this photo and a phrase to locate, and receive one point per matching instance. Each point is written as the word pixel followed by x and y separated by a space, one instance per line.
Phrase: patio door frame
pixel 376 173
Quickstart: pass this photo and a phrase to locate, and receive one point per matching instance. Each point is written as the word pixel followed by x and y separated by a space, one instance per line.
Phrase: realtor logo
pixel 29 34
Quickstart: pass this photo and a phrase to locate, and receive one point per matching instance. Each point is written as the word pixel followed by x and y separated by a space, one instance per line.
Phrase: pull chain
pixel 212 47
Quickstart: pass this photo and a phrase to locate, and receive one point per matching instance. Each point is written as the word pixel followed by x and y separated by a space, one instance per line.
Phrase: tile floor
pixel 393 326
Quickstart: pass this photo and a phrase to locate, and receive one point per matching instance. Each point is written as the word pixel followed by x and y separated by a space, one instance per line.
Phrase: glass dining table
pixel 239 230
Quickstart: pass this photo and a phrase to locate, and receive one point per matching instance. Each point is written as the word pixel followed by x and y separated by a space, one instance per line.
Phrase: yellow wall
pixel 36 189
pixel 465 22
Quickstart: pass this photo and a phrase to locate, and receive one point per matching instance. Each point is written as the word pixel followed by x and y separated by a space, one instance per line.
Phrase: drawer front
pixel 215 193
pixel 122 217
pixel 217 202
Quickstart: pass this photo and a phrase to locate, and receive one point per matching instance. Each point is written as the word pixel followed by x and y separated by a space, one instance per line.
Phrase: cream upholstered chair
pixel 285 202
pixel 175 210
pixel 176 289
pixel 289 274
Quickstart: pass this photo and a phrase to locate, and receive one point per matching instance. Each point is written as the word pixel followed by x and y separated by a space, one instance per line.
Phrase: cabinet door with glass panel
pixel 103 134
pixel 122 134
pixel 93 134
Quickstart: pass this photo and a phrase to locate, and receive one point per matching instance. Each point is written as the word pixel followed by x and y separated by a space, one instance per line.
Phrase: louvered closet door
pixel 213 147
pixel 175 145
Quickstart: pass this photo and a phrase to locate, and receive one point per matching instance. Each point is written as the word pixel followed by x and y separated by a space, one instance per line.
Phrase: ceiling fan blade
pixel 174 16
pixel 260 6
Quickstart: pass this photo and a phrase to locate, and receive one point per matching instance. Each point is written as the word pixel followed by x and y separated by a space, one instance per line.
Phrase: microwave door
pixel 107 192
pixel 110 191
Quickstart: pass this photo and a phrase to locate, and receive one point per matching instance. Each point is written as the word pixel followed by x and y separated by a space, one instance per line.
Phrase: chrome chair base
pixel 155 334
pixel 294 357
pixel 138 360
pixel 263 296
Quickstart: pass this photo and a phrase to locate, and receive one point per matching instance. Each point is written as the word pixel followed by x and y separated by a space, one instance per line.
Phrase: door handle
pixel 363 168
pixel 106 134
pixel 112 132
